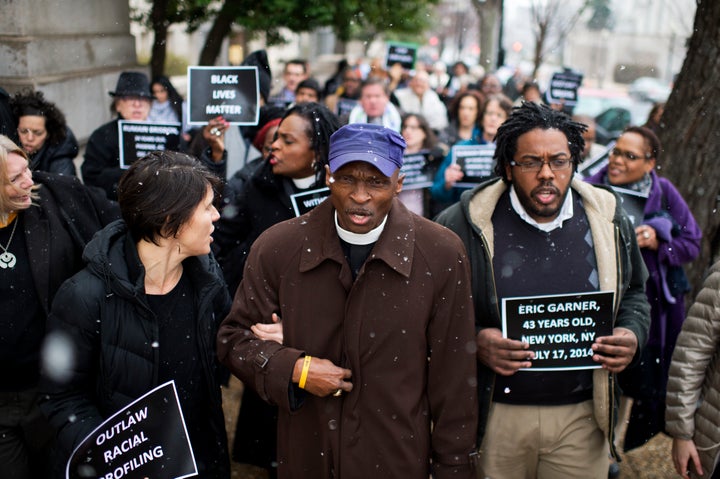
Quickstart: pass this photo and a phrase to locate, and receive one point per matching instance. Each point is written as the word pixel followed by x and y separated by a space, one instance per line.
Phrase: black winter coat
pixel 57 158
pixel 258 203
pixel 114 333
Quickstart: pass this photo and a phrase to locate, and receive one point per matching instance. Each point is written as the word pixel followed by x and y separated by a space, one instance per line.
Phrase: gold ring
pixel 646 235
pixel 338 393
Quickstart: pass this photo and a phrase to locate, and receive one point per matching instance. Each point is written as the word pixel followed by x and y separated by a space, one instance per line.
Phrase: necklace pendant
pixel 7 260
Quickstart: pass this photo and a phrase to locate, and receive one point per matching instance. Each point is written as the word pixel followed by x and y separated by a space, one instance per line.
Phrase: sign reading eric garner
pixel 560 329
pixel 230 92
pixel 146 438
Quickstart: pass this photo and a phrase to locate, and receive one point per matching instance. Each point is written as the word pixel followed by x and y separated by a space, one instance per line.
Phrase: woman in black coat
pixel 45 222
pixel 145 311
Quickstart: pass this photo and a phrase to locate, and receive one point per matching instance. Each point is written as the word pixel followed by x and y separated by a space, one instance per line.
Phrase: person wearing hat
pixel 374 374
pixel 132 100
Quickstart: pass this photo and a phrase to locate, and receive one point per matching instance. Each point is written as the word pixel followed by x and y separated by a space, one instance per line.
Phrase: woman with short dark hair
pixel 146 307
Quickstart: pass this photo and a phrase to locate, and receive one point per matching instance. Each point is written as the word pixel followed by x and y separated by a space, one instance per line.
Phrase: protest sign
pixel 633 202
pixel 136 139
pixel 563 87
pixel 307 200
pixel 402 53
pixel 592 165
pixel 230 92
pixel 147 438
pixel 416 172
pixel 560 329
pixel 476 162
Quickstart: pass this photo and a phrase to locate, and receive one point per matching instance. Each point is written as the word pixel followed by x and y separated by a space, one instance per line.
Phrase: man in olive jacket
pixel 539 232
pixel 375 376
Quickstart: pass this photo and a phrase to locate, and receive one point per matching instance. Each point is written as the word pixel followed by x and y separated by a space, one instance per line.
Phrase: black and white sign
pixel 476 162
pixel 230 92
pixel 307 200
pixel 633 202
pixel 416 172
pixel 402 53
pixel 563 87
pixel 147 438
pixel 560 329
pixel 592 165
pixel 137 139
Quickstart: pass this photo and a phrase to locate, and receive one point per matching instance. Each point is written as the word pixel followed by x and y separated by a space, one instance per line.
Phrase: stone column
pixel 71 50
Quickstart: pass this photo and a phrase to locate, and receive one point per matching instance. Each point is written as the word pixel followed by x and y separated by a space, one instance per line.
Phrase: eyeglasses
pixel 537 165
pixel 27 131
pixel 628 155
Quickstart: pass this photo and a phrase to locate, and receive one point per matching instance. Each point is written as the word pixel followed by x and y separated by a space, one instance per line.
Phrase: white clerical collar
pixel 304 183
pixel 359 238
pixel 566 212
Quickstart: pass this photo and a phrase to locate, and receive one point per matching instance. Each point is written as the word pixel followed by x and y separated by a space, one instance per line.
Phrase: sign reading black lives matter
pixel 476 162
pixel 307 200
pixel 137 139
pixel 402 53
pixel 560 329
pixel 230 92
pixel 147 438
pixel 564 87
pixel 415 171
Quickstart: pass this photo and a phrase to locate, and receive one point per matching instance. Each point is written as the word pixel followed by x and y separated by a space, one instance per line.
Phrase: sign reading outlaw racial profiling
pixel 476 162
pixel 145 439
pixel 307 200
pixel 230 92
pixel 560 329
pixel 138 138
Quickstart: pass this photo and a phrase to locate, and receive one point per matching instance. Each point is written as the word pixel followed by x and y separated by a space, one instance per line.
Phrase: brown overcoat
pixel 405 329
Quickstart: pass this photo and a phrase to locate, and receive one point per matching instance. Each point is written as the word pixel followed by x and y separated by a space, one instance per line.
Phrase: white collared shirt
pixel 566 212
pixel 359 238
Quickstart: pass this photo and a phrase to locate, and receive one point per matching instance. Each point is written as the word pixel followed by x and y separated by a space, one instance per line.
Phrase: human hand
pixel 502 355
pixel 646 237
pixel 615 352
pixel 684 450
pixel 269 332
pixel 323 377
pixel 453 174
pixel 214 135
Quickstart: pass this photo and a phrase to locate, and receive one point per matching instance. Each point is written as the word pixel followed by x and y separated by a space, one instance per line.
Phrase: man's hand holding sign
pixel 557 333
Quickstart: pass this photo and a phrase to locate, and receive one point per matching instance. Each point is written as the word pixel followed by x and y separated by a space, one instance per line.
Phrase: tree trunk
pixel 690 134
pixel 219 30
pixel 490 15
pixel 160 29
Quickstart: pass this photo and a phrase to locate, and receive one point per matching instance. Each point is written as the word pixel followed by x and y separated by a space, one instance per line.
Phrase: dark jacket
pixel 102 159
pixel 57 158
pixel 105 314
pixel 620 269
pixel 403 327
pixel 257 203
pixel 58 227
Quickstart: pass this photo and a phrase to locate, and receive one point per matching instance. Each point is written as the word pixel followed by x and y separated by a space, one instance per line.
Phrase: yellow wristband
pixel 304 373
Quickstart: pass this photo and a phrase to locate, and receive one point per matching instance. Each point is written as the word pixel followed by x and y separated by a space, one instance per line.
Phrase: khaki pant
pixel 543 442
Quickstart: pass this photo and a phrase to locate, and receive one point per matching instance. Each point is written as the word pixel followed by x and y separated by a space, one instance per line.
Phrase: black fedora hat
pixel 132 84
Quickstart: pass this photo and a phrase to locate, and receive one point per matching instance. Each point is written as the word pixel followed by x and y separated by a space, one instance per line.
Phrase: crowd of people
pixel 370 332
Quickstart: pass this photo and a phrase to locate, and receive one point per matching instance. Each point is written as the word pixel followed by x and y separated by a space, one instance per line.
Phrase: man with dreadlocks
pixel 540 232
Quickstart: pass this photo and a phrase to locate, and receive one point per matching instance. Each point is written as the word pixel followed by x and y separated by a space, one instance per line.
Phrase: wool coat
pixel 404 328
